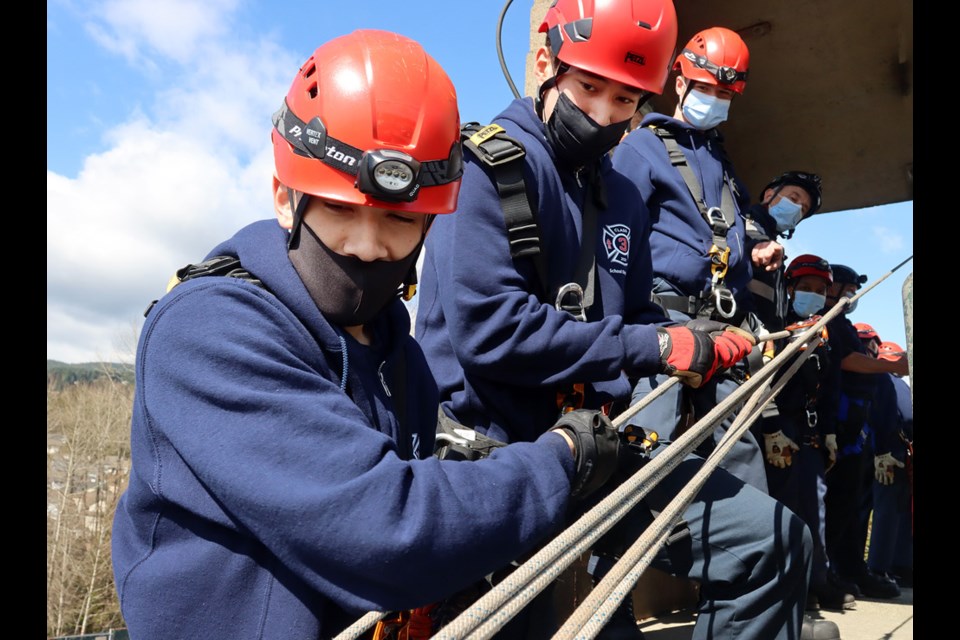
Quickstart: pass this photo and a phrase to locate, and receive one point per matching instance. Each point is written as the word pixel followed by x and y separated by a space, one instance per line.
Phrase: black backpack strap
pixel 228 266
pixel 504 155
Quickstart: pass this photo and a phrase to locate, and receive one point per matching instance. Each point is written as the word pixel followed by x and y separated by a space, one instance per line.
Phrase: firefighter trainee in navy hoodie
pixel 282 478
pixel 700 268
pixel 846 480
pixel 800 440
pixel 503 350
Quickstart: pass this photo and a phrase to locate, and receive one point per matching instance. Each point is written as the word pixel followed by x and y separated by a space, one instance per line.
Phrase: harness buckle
pixel 723 295
pixel 811 417
pixel 640 439
pixel 575 309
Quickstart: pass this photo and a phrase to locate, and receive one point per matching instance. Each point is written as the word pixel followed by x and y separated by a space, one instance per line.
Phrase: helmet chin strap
pixel 409 285
pixel 297 215
pixel 548 84
pixel 686 90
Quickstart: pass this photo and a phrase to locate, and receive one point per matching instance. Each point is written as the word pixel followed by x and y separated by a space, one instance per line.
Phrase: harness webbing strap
pixel 228 266
pixel 502 153
pixel 719 221
pixel 585 274
pixel 762 289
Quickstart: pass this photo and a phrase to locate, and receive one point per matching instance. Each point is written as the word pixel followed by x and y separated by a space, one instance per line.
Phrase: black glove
pixel 598 449
pixel 693 352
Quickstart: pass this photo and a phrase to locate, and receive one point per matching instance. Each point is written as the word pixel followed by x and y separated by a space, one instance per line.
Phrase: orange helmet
pixel 629 41
pixel 890 351
pixel 371 119
pixel 715 56
pixel 809 265
pixel 866 332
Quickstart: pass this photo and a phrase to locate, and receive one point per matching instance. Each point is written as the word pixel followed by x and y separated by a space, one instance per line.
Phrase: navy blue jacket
pixel 768 288
pixel 273 491
pixel 500 353
pixel 844 340
pixel 681 237
pixel 891 413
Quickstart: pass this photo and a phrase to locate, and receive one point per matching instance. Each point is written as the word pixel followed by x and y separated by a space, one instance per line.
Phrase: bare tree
pixel 88 453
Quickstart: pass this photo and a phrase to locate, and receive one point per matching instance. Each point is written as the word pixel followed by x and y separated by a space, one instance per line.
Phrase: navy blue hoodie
pixel 273 491
pixel 499 353
pixel 769 288
pixel 681 237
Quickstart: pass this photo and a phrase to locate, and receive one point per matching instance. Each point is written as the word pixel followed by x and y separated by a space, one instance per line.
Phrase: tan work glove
pixel 830 442
pixel 883 466
pixel 780 449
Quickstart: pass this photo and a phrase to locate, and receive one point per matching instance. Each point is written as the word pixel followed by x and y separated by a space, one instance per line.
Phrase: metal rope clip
pixel 811 417
pixel 576 309
pixel 723 295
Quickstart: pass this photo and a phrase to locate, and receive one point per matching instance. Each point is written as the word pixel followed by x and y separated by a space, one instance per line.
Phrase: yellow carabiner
pixel 719 261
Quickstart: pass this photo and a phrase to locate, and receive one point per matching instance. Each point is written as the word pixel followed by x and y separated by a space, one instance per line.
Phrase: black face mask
pixel 347 290
pixel 576 139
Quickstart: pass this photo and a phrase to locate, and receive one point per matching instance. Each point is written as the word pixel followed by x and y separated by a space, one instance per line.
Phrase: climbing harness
pixel 719 299
pixel 504 155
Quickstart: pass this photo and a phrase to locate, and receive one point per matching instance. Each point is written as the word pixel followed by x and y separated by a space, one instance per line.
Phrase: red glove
pixel 732 344
pixel 693 352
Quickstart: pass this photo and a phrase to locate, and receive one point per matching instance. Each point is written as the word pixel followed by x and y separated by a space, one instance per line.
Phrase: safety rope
pixel 493 610
pixel 548 554
pixel 498 606
pixel 488 614
pixel 596 610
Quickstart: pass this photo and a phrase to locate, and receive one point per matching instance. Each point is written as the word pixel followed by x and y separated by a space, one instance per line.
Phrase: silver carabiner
pixel 577 291
pixel 715 216
pixel 720 295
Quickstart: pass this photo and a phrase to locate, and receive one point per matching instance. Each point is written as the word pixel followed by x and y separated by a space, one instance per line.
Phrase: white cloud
pixel 177 177
pixel 173 28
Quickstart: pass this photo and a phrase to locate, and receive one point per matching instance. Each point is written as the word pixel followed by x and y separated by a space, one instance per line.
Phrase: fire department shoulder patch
pixel 616 240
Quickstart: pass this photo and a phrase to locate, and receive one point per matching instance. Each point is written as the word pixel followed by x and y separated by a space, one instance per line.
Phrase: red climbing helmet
pixel 371 119
pixel 866 332
pixel 716 56
pixel 890 351
pixel 809 265
pixel 629 41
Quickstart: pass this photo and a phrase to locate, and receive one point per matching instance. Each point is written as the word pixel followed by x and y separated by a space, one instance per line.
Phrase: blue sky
pixel 158 123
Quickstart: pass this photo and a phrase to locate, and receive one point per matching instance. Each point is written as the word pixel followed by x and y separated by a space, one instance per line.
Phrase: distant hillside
pixel 61 373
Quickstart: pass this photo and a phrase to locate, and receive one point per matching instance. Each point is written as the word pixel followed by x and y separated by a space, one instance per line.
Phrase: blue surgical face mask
pixel 704 111
pixel 853 305
pixel 786 213
pixel 807 303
